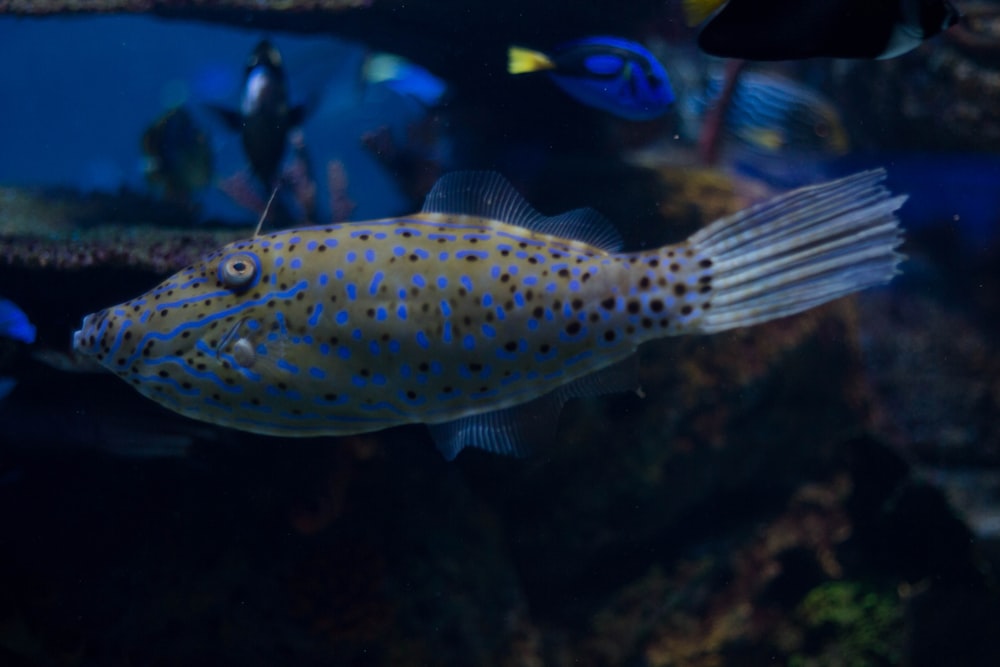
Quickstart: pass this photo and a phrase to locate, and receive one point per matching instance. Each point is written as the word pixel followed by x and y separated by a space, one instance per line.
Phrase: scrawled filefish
pixel 477 316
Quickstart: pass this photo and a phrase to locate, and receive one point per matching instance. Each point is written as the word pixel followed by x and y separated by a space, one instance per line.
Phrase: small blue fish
pixel 477 316
pixel 608 73
pixel 404 78
pixel 14 323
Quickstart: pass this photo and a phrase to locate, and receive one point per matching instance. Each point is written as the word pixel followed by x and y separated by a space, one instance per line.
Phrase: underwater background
pixel 819 490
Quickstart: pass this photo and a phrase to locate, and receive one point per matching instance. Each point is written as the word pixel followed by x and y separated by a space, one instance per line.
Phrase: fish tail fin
pixel 696 11
pixel 523 61
pixel 793 252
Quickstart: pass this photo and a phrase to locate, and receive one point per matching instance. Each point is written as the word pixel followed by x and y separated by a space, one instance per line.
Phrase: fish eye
pixel 822 129
pixel 238 271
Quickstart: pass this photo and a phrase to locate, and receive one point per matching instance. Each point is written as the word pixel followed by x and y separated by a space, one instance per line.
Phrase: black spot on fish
pixel 680 289
pixel 573 328
pixel 686 310
pixel 510 346
pixel 608 303
pixel 656 305
pixel 609 335
pixel 644 282
pixel 653 263
pixel 633 306
pixel 544 348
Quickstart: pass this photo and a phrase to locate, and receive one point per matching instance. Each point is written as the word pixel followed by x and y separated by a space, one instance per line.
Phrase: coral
pixel 67 230
pixel 863 627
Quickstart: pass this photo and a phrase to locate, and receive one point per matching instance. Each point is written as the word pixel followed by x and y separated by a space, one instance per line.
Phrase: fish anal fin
pixel 514 431
pixel 617 378
pixel 521 429
pixel 487 194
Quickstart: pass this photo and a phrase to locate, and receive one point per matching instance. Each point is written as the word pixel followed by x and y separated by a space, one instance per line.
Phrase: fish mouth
pixel 86 338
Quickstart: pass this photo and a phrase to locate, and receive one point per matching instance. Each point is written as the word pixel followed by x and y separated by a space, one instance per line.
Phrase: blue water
pixel 76 116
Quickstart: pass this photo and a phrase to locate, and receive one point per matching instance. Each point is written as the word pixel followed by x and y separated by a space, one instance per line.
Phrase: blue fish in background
pixel 177 154
pixel 404 78
pixel 608 73
pixel 14 324
pixel 773 114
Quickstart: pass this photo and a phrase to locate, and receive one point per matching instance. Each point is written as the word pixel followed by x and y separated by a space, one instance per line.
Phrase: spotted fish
pixel 477 316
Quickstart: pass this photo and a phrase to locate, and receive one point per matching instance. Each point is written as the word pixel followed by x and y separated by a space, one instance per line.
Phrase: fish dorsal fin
pixel 519 430
pixel 487 194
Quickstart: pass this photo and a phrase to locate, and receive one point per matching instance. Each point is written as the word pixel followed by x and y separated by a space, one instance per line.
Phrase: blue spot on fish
pixel 317 312
pixel 286 366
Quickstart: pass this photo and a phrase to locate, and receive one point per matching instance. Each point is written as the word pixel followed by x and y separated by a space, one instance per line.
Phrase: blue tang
pixel 608 73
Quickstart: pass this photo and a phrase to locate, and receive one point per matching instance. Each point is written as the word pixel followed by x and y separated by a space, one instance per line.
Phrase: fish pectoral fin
pixel 519 430
pixel 232 119
pixel 487 194
pixel 297 114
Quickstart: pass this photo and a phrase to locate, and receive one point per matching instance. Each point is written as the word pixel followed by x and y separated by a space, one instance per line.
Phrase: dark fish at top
pixel 178 154
pixel 477 316
pixel 608 73
pixel 797 29
pixel 265 116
